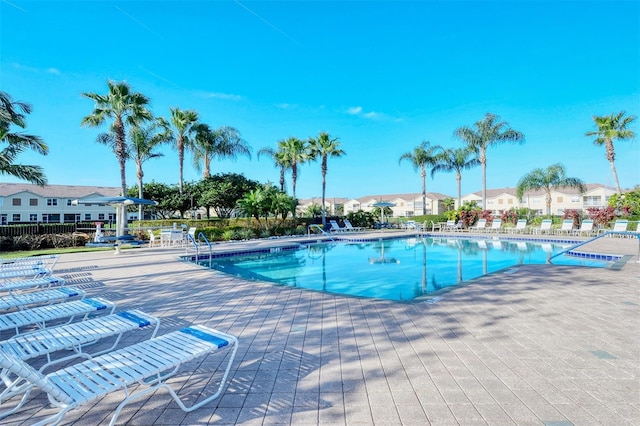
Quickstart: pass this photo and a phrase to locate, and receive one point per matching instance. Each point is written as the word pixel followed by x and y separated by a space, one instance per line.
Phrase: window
pixel 575 199
pixel 560 199
pixel 500 201
pixel 510 201
pixel 593 201
pixel 112 217
pixel 52 201
pixel 69 202
pixel 3 219
pixel 87 216
pixel 33 201
pixel 100 216
pixel 33 217
pixel 16 217
pixel 16 202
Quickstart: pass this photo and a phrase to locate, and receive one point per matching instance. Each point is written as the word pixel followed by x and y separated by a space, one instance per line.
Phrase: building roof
pixel 406 196
pixel 58 191
pixel 493 192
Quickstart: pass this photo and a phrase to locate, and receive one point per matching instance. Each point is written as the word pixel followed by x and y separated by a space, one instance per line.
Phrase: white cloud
pixel 27 68
pixel 224 96
pixel 354 110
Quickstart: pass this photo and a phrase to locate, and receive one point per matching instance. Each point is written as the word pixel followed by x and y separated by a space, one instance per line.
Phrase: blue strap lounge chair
pixel 45 282
pixel 149 363
pixel 43 297
pixel 70 337
pixel 23 272
pixel 44 261
pixel 40 316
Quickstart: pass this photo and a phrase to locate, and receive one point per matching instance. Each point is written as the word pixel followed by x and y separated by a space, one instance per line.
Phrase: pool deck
pixel 531 345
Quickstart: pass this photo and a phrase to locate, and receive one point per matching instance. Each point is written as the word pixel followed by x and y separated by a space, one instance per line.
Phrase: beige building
pixel 406 205
pixel 562 199
pixel 27 203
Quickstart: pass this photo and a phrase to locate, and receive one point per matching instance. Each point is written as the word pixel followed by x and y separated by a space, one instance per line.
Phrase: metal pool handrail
pixel 204 237
pixel 320 229
pixel 573 247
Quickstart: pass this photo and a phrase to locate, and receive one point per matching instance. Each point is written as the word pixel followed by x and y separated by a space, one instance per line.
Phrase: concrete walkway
pixel 544 345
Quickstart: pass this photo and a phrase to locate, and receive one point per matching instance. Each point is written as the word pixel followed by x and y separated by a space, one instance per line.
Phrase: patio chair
pixel 586 227
pixel 480 226
pixel 41 315
pixel 42 297
pixel 451 225
pixel 349 227
pixel 566 228
pixel 153 242
pixel 25 271
pixel 335 227
pixel 521 227
pixel 620 225
pixel 149 363
pixel 68 337
pixel 545 226
pixel 44 261
pixel 12 286
pixel 496 226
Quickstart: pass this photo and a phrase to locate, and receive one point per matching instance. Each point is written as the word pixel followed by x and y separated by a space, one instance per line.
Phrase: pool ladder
pixel 196 244
pixel 319 228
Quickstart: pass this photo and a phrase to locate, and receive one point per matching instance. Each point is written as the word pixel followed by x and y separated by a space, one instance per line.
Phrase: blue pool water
pixel 395 269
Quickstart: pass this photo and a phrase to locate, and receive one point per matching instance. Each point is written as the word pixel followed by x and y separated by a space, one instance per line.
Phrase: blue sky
pixel 382 76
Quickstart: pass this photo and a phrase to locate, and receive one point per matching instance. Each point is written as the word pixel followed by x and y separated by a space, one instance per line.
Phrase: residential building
pixel 406 205
pixel 28 203
pixel 562 199
pixel 333 206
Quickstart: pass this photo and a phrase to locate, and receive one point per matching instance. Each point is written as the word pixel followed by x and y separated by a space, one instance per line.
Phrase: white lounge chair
pixel 480 226
pixel 349 227
pixel 45 282
pixel 68 337
pixel 566 228
pixel 521 227
pixel 23 272
pixel 545 226
pixel 496 226
pixel 153 242
pixel 41 315
pixel 42 297
pixel 335 227
pixel 148 363
pixel 586 228
pixel 44 261
pixel 451 225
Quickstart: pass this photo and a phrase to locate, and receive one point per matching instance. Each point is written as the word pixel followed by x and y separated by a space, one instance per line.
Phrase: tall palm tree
pixel 610 128
pixel 422 156
pixel 280 160
pixel 487 132
pixel 223 142
pixel 456 160
pixel 13 114
pixel 143 142
pixel 125 108
pixel 324 147
pixel 295 152
pixel 547 179
pixel 184 127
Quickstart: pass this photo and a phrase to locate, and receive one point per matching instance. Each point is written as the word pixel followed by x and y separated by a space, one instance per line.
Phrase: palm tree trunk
pixel 207 167
pixel 294 177
pixel 423 174
pixel 548 200
pixel 181 161
pixel 611 156
pixel 324 187
pixel 483 161
pixel 140 175
pixel 459 181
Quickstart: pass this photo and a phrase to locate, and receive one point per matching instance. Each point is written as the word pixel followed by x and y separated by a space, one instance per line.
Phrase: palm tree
pixel 13 114
pixel 280 159
pixel 295 153
pixel 125 108
pixel 324 147
pixel 422 156
pixel 456 160
pixel 223 142
pixel 184 127
pixel 547 179
pixel 488 132
pixel 610 128
pixel 143 142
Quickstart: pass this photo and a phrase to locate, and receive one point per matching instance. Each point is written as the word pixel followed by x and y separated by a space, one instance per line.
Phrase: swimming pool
pixel 392 269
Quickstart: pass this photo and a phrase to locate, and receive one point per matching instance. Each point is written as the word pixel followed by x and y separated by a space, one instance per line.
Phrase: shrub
pixel 573 214
pixel 509 216
pixel 601 216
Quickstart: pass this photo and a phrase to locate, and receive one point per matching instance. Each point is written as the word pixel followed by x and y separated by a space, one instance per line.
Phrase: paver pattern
pixel 540 345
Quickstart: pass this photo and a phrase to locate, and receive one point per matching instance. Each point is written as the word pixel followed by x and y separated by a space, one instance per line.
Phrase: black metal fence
pixel 45 228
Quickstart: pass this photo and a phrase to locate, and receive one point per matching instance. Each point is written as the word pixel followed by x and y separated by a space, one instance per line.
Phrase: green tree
pixel 13 114
pixel 548 179
pixel 295 153
pixel 184 124
pixel 422 156
pixel 255 204
pixel 487 132
pixel 455 160
pixel 221 192
pixel 610 128
pixel 125 108
pixel 223 142
pixel 160 192
pixel 143 142
pixel 280 160
pixel 324 147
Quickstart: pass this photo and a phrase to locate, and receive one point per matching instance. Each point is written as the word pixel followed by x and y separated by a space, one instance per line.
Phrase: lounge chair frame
pixel 43 297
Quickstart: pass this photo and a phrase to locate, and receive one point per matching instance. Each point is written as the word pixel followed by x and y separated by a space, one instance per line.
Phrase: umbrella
pixel 120 204
pixel 382 205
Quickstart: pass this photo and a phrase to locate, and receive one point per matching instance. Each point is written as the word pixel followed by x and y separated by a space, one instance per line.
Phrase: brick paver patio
pixel 539 345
